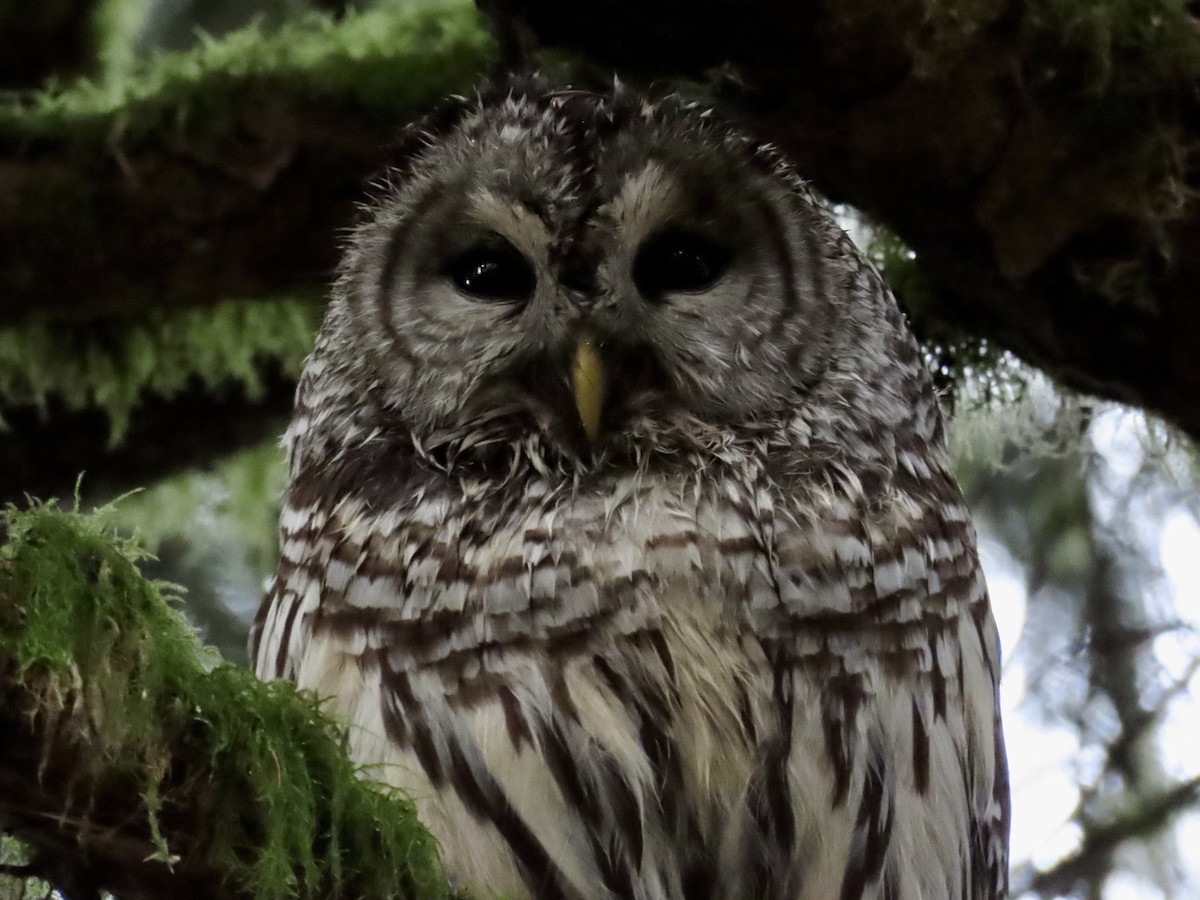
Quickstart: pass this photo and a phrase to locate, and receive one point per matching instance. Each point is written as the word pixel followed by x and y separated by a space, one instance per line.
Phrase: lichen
pixel 279 805
pixel 111 364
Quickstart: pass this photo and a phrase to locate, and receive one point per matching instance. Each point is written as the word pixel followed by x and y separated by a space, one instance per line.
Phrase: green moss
pixel 109 364
pixel 13 887
pixel 387 62
pixel 279 805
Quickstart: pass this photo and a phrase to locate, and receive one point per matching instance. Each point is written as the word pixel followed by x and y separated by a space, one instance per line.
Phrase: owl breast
pixel 658 687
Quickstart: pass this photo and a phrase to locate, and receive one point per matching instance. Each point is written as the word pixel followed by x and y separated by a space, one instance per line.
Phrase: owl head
pixel 586 269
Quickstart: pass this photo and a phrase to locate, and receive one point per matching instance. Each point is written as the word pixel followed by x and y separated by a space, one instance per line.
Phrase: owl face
pixel 579 264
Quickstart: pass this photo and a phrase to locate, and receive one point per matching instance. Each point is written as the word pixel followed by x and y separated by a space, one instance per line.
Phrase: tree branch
pixel 226 173
pixel 131 765
pixel 1152 815
pixel 1040 166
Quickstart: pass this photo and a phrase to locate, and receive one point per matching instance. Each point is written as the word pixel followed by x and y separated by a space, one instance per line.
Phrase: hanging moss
pixel 116 24
pixel 111 364
pixel 1111 68
pixel 274 801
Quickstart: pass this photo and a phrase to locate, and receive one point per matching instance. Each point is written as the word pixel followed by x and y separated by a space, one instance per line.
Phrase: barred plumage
pixel 731 640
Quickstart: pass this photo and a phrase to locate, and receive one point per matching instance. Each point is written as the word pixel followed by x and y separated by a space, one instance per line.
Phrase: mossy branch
pixel 131 400
pixel 133 762
pixel 220 173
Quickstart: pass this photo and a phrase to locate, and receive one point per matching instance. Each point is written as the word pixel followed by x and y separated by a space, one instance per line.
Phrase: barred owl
pixel 620 527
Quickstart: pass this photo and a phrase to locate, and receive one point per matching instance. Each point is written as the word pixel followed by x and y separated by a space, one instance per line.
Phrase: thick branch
pixel 242 207
pixel 229 178
pixel 128 763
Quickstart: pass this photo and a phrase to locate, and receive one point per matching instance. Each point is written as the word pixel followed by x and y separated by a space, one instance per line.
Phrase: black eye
pixel 494 270
pixel 677 261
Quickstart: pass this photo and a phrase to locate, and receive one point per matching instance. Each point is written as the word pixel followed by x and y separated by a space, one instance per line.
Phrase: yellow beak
pixel 587 378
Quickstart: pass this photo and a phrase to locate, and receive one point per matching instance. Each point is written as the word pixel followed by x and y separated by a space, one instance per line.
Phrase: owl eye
pixel 677 261
pixel 494 270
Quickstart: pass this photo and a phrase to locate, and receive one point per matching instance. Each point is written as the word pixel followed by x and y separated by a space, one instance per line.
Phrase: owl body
pixel 620 529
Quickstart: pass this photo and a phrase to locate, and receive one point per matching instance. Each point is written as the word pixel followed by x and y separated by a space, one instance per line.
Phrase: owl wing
pixel 275 637
pixel 282 629
pixel 879 628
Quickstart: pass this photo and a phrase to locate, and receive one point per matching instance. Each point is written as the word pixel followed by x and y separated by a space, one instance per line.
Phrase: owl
pixel 620 527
